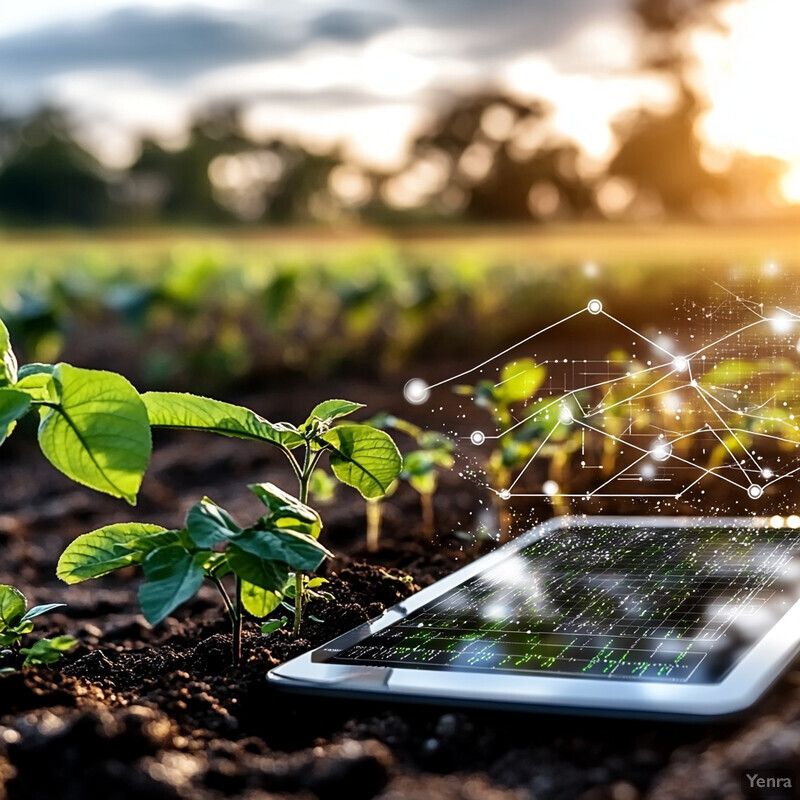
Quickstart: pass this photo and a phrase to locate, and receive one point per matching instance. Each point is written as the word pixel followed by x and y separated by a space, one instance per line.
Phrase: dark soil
pixel 159 713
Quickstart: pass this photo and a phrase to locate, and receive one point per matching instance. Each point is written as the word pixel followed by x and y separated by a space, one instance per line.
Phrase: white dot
pixel 680 363
pixel 594 307
pixel 754 491
pixel 776 521
pixel 565 416
pixel 416 391
pixel 477 437
pixel 793 521
pixel 766 473
pixel 505 494
pixel 550 488
pixel 661 452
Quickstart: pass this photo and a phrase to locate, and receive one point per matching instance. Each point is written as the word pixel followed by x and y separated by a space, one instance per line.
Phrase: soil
pixel 140 712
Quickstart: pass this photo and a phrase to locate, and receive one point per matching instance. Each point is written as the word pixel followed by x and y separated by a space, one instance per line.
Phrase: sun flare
pixel 749 77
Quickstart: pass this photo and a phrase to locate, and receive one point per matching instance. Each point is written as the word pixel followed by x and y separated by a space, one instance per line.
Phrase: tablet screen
pixel 662 604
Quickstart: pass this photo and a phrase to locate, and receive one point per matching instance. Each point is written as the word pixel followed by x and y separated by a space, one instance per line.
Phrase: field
pixel 279 322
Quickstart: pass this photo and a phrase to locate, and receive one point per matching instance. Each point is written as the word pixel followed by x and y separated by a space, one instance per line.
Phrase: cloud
pixel 159 62
pixel 175 44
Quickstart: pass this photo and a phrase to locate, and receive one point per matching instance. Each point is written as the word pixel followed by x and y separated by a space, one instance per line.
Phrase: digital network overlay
pixel 689 418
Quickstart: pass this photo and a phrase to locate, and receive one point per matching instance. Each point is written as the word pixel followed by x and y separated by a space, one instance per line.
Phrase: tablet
pixel 636 616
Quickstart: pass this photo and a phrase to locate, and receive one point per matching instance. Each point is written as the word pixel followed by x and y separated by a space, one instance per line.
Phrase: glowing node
pixel 416 391
pixel 661 452
pixel 477 437
pixel 594 307
pixel 591 269
pixel 505 494
pixel 550 488
pixel 565 416
pixel 776 521
pixel 793 521
pixel 781 323
pixel 680 363
pixel 767 473
pixel 754 491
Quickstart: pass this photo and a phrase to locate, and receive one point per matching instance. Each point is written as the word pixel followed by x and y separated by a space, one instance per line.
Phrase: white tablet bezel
pixel 740 688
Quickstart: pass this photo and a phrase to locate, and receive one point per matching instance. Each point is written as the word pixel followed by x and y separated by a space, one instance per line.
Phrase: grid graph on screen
pixel 655 604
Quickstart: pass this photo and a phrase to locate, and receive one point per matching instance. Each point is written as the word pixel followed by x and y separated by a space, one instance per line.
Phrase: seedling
pixel 93 425
pixel 420 471
pixel 16 622
pixel 544 432
pixel 360 455
pixel 267 559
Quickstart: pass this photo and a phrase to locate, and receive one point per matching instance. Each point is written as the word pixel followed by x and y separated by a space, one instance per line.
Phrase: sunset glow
pixel 747 76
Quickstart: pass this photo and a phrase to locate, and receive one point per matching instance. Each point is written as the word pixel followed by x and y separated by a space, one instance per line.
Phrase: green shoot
pixel 16 622
pixel 265 559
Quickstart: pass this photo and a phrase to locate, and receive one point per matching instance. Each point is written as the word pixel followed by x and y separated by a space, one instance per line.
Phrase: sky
pixel 368 74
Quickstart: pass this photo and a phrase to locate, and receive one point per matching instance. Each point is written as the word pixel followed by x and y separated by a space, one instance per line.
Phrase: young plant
pixel 93 425
pixel 545 430
pixel 16 622
pixel 420 470
pixel 278 551
pixel 359 455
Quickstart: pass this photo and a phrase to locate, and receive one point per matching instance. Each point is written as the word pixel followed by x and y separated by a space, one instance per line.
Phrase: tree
pixel 47 178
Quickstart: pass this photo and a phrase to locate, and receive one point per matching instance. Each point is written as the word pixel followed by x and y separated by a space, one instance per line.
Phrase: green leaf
pixel 191 412
pixel 39 386
pixel 99 434
pixel 364 458
pixel 287 511
pixel 271 575
pixel 273 625
pixel 257 601
pixel 12 606
pixel 37 611
pixel 35 368
pixel 423 484
pixel 329 411
pixel 321 486
pixel 298 550
pixel 13 406
pixel 103 551
pixel 173 577
pixel 519 380
pixel 208 524
pixel 47 651
pixel 152 541
pixel 8 361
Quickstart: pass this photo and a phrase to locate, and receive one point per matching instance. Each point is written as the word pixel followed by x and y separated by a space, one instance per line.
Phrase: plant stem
pixel 426 501
pixel 230 610
pixel 298 604
pixel 374 514
pixel 236 642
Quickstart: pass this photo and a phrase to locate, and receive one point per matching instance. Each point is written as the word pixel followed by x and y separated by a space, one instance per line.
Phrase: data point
pixel 505 494
pixel 550 488
pixel 565 416
pixel 594 307
pixel 416 391
pixel 680 363
pixel 477 437
pixel 767 473
pixel 754 491
pixel 661 452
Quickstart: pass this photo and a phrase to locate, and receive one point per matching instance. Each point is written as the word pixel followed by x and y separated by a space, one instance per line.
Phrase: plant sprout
pixel 262 557
pixel 16 622
pixel 359 455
